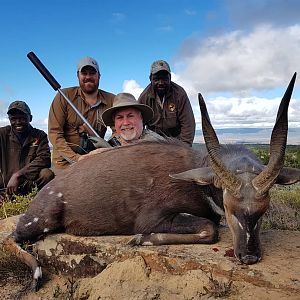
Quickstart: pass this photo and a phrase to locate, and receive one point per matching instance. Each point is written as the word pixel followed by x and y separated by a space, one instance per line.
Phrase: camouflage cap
pixel 159 65
pixel 18 106
pixel 88 61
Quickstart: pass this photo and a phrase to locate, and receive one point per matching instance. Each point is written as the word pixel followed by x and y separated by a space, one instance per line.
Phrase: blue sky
pixel 239 54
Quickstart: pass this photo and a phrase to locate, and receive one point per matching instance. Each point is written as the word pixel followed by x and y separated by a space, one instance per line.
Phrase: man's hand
pixel 99 142
pixel 13 183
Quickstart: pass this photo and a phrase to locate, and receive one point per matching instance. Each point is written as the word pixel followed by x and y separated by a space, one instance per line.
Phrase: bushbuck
pixel 162 193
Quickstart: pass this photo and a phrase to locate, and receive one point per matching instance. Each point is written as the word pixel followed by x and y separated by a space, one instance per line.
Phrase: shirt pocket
pixel 171 119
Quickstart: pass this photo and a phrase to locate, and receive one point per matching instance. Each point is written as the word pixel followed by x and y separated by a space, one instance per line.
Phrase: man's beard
pixel 129 133
pixel 89 87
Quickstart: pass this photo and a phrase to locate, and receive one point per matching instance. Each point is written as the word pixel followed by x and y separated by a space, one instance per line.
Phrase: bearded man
pixel 67 132
pixel 127 120
pixel 127 117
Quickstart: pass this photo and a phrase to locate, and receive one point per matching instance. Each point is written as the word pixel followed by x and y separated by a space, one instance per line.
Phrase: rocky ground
pixel 107 268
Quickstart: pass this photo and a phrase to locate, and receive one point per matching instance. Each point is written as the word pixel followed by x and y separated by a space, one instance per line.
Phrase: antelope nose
pixel 249 259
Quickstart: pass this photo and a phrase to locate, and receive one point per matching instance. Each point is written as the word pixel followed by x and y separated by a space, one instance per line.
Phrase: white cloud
pixel 4 121
pixel 40 124
pixel 246 112
pixel 132 87
pixel 238 66
pixel 240 62
pixel 232 112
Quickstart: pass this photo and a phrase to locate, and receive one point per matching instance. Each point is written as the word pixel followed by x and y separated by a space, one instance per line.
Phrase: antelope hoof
pixel 249 259
pixel 37 279
pixel 36 284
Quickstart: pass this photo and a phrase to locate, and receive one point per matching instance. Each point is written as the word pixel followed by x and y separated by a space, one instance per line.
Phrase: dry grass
pixel 284 211
pixel 67 292
pixel 290 195
pixel 14 274
pixel 16 204
pixel 219 289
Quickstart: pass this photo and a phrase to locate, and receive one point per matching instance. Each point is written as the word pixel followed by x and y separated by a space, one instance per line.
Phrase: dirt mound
pixel 107 268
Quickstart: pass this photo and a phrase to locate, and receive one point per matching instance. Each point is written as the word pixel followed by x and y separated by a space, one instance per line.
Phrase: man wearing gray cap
pixel 67 132
pixel 173 114
pixel 25 156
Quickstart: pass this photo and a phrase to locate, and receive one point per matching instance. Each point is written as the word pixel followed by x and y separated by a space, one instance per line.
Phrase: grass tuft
pixel 219 289
pixel 16 204
pixel 284 211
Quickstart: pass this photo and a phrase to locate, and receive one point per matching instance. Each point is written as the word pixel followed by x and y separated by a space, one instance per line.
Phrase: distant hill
pixel 249 135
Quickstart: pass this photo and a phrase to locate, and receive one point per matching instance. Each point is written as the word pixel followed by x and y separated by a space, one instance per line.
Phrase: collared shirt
pixel 65 126
pixel 160 101
pixel 174 116
pixel 29 158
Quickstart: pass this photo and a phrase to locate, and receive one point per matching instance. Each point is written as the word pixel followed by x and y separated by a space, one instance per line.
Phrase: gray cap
pixel 18 106
pixel 124 100
pixel 88 61
pixel 159 65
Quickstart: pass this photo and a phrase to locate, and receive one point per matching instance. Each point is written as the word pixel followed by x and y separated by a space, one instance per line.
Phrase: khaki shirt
pixel 65 126
pixel 173 118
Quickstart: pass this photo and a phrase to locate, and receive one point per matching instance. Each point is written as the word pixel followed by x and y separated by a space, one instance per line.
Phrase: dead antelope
pixel 129 190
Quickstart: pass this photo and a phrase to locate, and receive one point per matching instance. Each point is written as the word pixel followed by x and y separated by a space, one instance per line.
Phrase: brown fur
pixel 121 191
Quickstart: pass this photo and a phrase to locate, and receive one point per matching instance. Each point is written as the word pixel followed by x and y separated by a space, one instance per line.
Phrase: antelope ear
pixel 201 176
pixel 288 176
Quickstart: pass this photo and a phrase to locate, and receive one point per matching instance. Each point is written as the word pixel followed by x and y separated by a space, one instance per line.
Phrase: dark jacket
pixel 29 158
pixel 176 118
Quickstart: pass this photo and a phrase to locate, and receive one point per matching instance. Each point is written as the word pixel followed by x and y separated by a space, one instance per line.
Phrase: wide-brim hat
pixel 124 100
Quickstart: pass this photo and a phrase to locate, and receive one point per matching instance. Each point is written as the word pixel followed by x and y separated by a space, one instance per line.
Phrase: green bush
pixel 292 154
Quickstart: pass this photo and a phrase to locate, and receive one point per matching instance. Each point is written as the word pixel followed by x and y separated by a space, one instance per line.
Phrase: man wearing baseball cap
pixel 25 153
pixel 173 114
pixel 67 132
